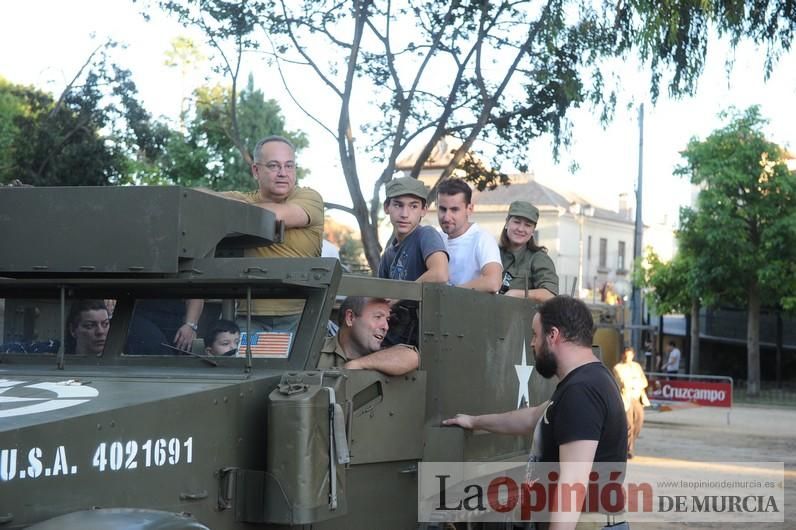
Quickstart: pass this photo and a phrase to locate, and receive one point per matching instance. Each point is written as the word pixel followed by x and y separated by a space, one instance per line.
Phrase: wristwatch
pixel 193 326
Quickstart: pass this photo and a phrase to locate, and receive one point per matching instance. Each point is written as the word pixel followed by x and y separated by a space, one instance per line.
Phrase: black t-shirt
pixel 586 405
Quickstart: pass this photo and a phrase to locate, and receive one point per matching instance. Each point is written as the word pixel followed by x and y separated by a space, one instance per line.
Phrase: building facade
pixel 591 246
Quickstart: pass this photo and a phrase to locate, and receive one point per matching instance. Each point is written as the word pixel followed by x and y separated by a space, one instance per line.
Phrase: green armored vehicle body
pixel 162 438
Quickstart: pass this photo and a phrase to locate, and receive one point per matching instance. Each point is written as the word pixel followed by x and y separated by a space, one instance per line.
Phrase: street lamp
pixel 581 210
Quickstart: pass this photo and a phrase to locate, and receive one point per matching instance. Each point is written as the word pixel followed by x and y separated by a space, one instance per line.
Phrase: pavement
pixel 695 441
pixel 743 419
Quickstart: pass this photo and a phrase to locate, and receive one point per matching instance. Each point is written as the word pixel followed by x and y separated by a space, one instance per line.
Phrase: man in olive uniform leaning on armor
pixel 363 326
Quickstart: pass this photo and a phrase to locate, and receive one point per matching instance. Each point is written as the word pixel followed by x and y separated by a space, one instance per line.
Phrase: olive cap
pixel 523 209
pixel 406 186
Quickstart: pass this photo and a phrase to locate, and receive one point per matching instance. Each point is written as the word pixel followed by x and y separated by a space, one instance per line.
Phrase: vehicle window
pixel 155 326
pixel 214 326
pixel 34 326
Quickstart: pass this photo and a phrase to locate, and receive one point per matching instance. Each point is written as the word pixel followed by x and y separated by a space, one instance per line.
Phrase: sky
pixel 44 43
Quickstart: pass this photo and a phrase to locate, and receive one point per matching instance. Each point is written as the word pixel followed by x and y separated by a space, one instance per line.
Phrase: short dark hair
pixel 268 139
pixel 73 319
pixel 218 327
pixel 572 318
pixel 454 186
pixel 356 304
pixel 672 344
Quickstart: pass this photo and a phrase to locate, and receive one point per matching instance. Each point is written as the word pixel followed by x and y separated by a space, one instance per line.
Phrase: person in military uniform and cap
pixel 524 262
pixel 364 323
pixel 414 253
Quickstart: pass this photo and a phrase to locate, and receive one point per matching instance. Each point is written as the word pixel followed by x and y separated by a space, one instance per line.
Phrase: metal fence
pixel 770 394
pixel 656 377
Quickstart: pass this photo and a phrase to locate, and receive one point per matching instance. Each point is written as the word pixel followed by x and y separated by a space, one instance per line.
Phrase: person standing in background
pixel 632 385
pixel 672 364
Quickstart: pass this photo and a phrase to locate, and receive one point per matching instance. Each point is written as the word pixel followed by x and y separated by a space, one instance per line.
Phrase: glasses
pixel 275 167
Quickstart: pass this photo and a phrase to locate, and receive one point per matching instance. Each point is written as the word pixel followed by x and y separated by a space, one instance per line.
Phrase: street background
pixel 690 436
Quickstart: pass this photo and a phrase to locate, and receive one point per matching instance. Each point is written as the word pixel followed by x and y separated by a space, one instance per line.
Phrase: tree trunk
pixel 686 350
pixel 753 340
pixel 779 348
pixel 370 243
pixel 694 366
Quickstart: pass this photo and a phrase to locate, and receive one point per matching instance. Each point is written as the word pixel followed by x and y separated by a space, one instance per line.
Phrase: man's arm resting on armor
pixel 395 360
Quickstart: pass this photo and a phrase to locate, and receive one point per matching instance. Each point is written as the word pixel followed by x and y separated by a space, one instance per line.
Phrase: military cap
pixel 406 186
pixel 523 209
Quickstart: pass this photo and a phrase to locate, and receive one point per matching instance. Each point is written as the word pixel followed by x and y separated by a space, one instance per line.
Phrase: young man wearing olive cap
pixel 528 272
pixel 415 253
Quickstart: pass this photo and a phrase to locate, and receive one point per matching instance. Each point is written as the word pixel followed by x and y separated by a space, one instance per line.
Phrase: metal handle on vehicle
pixel 193 496
pixel 411 470
pixel 226 477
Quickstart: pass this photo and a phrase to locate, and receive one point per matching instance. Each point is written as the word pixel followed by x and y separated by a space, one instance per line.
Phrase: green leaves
pixel 742 232
pixel 88 136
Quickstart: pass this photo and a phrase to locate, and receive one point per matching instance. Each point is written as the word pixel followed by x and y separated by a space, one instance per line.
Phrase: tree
pixel 674 287
pixel 206 154
pixel 743 229
pixel 187 56
pixel 228 26
pixel 12 106
pixel 471 70
pixel 343 237
pixel 95 133
pixel 503 72
pixel 674 36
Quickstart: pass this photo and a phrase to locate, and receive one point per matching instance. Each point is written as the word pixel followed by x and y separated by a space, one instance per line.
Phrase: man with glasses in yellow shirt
pixel 299 209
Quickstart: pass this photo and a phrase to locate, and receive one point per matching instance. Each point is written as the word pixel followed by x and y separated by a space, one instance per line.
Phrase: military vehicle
pixel 178 439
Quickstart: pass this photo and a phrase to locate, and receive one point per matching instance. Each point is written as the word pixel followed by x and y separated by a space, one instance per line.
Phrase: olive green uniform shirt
pixel 332 354
pixel 536 266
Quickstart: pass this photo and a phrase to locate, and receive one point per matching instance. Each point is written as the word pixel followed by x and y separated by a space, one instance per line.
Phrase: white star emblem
pixel 523 377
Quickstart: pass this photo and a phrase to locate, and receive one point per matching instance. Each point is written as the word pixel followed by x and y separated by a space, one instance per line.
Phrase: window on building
pixel 620 263
pixel 588 249
pixel 603 253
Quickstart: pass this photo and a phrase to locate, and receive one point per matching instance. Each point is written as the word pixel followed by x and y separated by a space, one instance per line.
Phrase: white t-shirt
pixel 469 253
pixel 329 250
pixel 673 362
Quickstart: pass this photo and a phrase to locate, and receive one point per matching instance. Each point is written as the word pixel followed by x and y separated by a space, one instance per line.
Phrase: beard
pixel 546 363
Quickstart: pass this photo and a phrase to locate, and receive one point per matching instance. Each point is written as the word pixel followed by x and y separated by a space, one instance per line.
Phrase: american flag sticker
pixel 273 344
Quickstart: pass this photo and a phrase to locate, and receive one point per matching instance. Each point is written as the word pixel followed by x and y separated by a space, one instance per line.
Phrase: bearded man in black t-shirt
pixel 584 421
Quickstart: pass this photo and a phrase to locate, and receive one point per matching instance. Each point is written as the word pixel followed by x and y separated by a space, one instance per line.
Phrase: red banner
pixel 699 392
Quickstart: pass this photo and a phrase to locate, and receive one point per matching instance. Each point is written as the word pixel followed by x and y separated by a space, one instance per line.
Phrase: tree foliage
pixel 742 234
pixel 95 133
pixel 667 284
pixel 206 154
pixel 500 72
pixel 742 229
pixel 503 71
pixel 351 252
pixel 674 36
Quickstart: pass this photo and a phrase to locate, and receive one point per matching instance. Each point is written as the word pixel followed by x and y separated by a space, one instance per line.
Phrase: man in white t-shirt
pixel 474 255
pixel 672 364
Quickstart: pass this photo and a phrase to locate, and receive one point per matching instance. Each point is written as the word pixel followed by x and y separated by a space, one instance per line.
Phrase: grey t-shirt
pixel 407 260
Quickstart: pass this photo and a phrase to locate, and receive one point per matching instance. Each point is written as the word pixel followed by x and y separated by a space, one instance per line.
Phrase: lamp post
pixel 580 210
